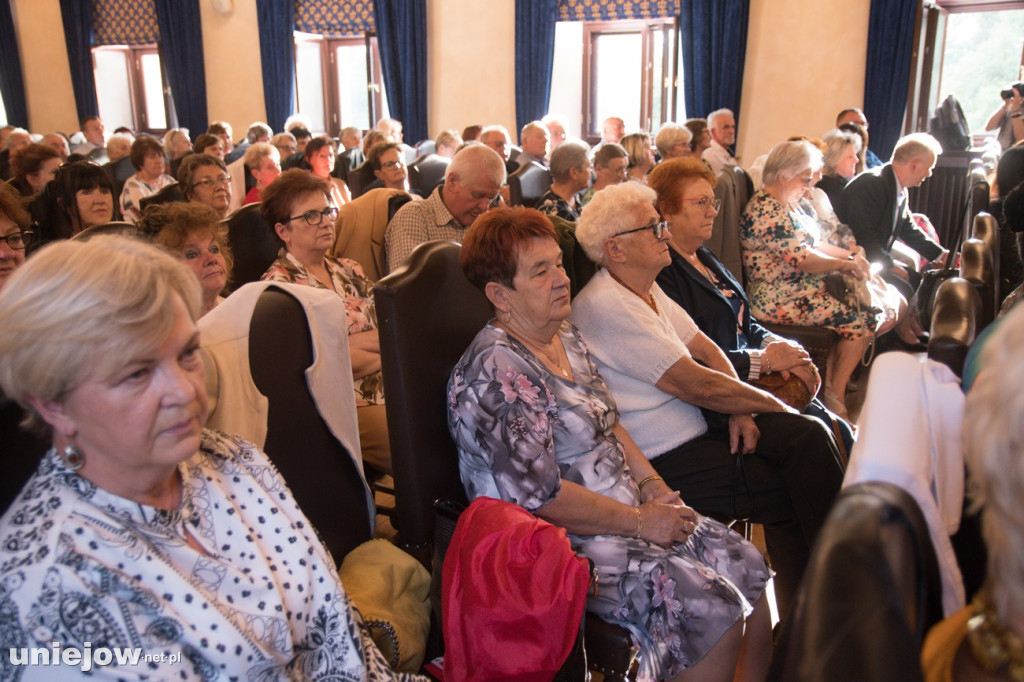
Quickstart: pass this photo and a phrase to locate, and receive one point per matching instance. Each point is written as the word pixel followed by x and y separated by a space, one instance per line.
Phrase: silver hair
pixel 669 135
pixel 475 163
pixel 614 209
pixel 257 151
pixel 568 155
pixel 916 146
pixel 717 114
pixel 836 141
pixel 788 159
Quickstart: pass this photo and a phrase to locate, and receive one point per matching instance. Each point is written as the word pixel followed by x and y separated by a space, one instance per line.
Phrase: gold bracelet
pixel 647 480
pixel 639 521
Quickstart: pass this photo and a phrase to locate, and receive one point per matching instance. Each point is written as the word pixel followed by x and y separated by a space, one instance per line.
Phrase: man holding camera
pixel 1008 118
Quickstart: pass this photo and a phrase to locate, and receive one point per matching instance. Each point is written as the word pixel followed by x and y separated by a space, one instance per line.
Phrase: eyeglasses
pixel 17 240
pixel 808 180
pixel 658 229
pixel 314 217
pixel 703 202
pixel 213 182
pixel 393 164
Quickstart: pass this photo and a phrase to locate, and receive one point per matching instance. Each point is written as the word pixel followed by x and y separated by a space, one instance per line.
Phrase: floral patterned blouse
pixel 775 241
pixel 355 289
pixel 521 430
pixel 261 601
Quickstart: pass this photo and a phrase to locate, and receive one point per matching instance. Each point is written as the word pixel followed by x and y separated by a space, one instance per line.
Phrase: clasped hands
pixel 666 520
pixel 788 357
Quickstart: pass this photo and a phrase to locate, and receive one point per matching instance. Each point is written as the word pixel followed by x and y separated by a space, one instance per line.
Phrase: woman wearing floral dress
pixel 786 261
pixel 297 206
pixel 536 425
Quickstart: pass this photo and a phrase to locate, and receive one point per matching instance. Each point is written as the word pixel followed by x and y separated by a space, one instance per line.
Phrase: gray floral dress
pixel 521 430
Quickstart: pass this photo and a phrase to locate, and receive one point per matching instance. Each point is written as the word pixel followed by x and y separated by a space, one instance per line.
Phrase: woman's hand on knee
pixel 666 520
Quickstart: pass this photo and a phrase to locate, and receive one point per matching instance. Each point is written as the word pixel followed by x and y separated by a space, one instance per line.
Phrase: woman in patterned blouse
pixel 299 210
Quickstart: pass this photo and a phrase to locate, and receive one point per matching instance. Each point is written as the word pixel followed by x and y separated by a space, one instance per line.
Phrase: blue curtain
pixel 181 53
pixel 714 41
pixel 77 17
pixel 12 83
pixel 535 56
pixel 276 19
pixel 890 43
pixel 402 39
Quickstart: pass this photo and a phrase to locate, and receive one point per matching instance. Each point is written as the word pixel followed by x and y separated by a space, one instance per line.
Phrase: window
pixel 627 69
pixel 130 88
pixel 338 81
pixel 3 112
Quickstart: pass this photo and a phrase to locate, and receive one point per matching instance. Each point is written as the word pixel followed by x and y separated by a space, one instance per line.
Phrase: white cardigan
pixel 238 407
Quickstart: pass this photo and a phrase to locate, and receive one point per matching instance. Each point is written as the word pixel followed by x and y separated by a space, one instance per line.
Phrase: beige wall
pixel 805 63
pixel 44 64
pixel 470 64
pixel 234 80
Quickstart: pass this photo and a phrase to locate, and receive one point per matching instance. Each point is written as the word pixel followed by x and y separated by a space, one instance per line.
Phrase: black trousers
pixel 788 484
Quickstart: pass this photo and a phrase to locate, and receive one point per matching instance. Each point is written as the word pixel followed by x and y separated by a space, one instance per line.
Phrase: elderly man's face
pixel 723 130
pixel 919 169
pixel 95 132
pixel 467 199
pixel 854 117
pixel 537 142
pixel 557 133
pixel 497 141
pixel 58 144
pixel 613 130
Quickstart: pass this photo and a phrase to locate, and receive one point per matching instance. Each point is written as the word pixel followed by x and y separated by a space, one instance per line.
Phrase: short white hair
pixel 719 113
pixel 788 159
pixel 916 146
pixel 476 163
pixel 670 135
pixel 614 209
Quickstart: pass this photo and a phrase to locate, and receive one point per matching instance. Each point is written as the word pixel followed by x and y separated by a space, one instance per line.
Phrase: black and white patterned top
pixel 264 602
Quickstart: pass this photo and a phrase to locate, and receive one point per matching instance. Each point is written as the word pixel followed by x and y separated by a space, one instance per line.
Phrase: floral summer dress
pixel 355 289
pixel 521 430
pixel 775 241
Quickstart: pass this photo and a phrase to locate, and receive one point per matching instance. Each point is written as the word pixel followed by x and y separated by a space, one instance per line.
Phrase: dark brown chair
pixel 166 195
pixel 22 450
pixel 818 341
pixel 869 596
pixel 360 178
pixel 986 228
pixel 978 268
pixel 428 313
pixel 955 318
pixel 733 190
pixel 528 184
pixel 253 246
pixel 427 172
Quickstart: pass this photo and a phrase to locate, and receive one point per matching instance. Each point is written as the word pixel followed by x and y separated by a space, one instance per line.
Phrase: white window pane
pixel 153 92
pixel 567 74
pixel 112 93
pixel 353 98
pixel 3 112
pixel 309 83
pixel 618 77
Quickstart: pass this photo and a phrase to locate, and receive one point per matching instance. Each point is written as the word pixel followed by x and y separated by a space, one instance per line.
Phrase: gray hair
pixel 92 301
pixel 717 114
pixel 614 209
pixel 168 140
pixel 788 159
pixel 258 151
pixel 476 163
pixel 257 130
pixel 669 135
pixel 568 155
pixel 836 141
pixel 993 441
pixel 916 146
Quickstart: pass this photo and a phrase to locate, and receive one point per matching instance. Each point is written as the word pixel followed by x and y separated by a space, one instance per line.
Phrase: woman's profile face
pixel 691 224
pixel 46 171
pixel 95 206
pixel 795 187
pixel 847 164
pixel 541 287
pixel 143 418
pixel 202 253
pixel 10 258
pixel 180 144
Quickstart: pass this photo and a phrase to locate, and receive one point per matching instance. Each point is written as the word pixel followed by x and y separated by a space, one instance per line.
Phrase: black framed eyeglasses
pixel 658 229
pixel 213 182
pixel 18 240
pixel 393 164
pixel 314 217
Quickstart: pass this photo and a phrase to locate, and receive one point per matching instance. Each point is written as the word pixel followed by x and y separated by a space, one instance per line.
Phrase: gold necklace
pixel 557 359
pixel 996 648
pixel 648 299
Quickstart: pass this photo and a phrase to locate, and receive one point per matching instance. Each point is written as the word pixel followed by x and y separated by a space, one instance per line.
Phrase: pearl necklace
pixel 648 299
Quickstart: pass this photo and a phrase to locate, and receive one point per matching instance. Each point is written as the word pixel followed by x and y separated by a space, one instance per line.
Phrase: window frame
pixel 669 27
pixel 136 85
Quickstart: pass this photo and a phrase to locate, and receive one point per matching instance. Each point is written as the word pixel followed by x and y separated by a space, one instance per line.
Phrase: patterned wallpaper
pixel 603 10
pixel 334 17
pixel 124 22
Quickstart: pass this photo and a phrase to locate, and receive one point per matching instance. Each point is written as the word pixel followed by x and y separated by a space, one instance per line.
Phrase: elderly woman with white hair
pixel 264 163
pixel 140 530
pixel 673 141
pixel 842 150
pixel 786 261
pixel 681 400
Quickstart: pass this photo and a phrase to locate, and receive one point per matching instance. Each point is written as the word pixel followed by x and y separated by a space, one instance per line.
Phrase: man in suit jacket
pixel 875 207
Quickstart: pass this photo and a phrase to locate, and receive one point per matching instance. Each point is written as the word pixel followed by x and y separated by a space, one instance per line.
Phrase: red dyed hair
pixel 490 249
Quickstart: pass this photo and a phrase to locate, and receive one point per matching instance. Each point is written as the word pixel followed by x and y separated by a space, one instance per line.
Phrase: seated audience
pixel 119 146
pixel 351 139
pixel 14 233
pixel 722 127
pixel 195 234
pixel 320 159
pixel 861 133
pixel 388 163
pixel 264 164
pixel 471 133
pixel 673 141
pixel 285 143
pixel 855 115
pixel 611 166
pixel 209 144
pixel 472 183
pixel 641 157
pixel 711 296
pixel 570 174
pixel 176 145
pixel 222 130
pixel 393 129
pixel 985 640
pixel 535 141
pixel 16 139
pixel 701 136
pixel 173 536
pixel 58 143
pixel 298 208
pixel 842 150
pixel 680 399
pixel 612 130
pixel 204 179
pixel 536 425
pixel 786 261
pixel 447 143
pixel 85 194
pixel 556 124
pixel 497 138
pixel 32 166
pixel 147 156
pixel 94 134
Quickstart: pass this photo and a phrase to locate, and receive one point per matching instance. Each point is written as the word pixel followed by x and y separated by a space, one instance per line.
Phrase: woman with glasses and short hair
pixel 298 208
pixel 204 179
pixel 14 232
pixel 388 162
pixel 147 156
pixel 611 166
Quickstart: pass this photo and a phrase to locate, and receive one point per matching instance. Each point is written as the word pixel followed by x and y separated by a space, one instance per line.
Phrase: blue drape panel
pixel 535 56
pixel 77 17
pixel 276 20
pixel 402 39
pixel 181 53
pixel 12 82
pixel 714 41
pixel 886 77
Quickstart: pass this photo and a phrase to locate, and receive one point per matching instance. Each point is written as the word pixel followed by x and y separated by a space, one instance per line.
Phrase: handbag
pixel 792 391
pixel 848 290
